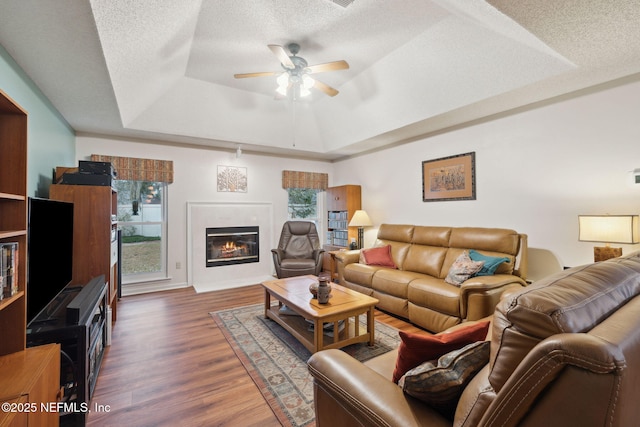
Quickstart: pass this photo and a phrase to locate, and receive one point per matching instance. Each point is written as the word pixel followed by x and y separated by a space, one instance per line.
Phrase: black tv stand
pixel 77 320
pixel 51 313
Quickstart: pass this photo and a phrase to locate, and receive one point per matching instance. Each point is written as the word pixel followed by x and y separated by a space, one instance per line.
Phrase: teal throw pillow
pixel 491 263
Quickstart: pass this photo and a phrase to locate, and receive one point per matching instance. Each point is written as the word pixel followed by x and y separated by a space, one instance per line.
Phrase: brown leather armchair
pixel 299 251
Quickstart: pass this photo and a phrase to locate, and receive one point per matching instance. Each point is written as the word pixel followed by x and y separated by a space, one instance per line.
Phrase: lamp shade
pixel 360 219
pixel 608 228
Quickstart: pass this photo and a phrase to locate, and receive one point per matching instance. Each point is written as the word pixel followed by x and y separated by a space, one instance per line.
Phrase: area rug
pixel 277 362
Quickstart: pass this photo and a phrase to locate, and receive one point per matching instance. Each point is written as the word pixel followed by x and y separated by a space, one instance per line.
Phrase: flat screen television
pixel 49 252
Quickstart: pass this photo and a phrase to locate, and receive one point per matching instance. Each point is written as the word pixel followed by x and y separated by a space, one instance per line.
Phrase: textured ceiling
pixel 163 69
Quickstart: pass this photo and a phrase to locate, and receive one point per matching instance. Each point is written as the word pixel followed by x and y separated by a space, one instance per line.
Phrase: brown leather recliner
pixel 565 351
pixel 299 251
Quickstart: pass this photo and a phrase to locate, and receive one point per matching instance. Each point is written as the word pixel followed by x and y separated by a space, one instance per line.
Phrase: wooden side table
pixel 332 266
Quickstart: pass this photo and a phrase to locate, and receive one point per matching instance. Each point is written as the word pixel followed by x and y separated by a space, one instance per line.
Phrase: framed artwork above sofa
pixel 449 178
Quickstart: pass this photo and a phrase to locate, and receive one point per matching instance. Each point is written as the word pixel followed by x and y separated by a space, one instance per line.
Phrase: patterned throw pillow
pixel 417 348
pixel 463 268
pixel 440 383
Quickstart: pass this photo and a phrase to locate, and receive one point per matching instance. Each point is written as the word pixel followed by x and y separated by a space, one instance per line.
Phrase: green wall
pixel 51 141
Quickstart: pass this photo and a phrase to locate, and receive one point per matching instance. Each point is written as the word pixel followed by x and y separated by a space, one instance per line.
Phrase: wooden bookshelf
pixel 342 202
pixel 27 375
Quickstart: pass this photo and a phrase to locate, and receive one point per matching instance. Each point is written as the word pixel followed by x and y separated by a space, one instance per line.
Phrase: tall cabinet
pixel 27 375
pixel 342 202
pixel 95 230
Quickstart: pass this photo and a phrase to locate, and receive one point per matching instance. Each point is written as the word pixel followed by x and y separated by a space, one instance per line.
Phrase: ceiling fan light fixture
pixel 295 75
pixel 283 79
pixel 307 82
pixel 304 91
pixel 282 90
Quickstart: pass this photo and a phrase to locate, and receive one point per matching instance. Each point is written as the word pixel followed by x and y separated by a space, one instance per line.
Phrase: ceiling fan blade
pixel 262 74
pixel 282 55
pixel 325 88
pixel 328 66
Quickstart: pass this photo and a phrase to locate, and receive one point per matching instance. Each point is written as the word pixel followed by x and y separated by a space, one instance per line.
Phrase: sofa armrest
pixel 344 258
pixel 348 257
pixel 349 393
pixel 480 294
pixel 569 369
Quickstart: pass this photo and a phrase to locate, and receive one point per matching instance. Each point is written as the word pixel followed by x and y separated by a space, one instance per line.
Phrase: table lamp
pixel 608 229
pixel 360 219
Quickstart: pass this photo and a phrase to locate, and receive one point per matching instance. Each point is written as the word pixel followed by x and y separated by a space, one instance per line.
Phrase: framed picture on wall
pixel 232 179
pixel 449 178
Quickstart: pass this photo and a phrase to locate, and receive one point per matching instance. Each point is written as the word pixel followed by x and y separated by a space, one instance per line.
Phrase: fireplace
pixel 232 245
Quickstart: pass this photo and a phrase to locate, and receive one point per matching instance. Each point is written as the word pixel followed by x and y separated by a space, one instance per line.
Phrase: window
pixel 303 203
pixel 142 220
pixel 302 189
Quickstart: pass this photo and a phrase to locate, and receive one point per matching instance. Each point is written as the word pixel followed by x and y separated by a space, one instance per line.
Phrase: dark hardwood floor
pixel 170 365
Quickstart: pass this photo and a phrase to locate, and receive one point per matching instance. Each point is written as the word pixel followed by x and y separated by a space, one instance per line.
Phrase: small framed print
pixel 232 179
pixel 449 178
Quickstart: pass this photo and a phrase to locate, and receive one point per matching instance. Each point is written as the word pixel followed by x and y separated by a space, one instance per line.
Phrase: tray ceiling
pixel 163 70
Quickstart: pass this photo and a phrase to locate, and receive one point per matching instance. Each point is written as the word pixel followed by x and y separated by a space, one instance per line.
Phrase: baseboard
pixel 229 284
pixel 145 288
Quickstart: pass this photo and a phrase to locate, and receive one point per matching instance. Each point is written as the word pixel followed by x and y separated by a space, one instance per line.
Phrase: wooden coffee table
pixel 343 305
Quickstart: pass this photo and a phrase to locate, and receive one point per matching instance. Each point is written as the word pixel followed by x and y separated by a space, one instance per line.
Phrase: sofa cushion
pixel 297 263
pixel 485 239
pixel 394 282
pixel 379 256
pixel 431 236
pixel 462 269
pixel 396 232
pixel 361 274
pixel 425 259
pixel 435 294
pixel 416 348
pixel 399 237
pixel 398 250
pixel 441 382
pixel 491 263
pixel 491 241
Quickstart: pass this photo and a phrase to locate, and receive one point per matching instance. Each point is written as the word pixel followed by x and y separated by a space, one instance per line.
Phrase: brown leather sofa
pixel 564 351
pixel 417 291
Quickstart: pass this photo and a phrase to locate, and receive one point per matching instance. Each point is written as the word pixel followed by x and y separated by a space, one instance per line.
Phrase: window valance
pixel 313 180
pixel 134 169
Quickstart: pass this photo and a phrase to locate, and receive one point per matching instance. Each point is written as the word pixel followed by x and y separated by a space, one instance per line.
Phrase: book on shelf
pixel 9 269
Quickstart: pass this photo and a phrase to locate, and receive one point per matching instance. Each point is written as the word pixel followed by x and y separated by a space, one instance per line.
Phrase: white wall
pixel 536 171
pixel 51 141
pixel 195 181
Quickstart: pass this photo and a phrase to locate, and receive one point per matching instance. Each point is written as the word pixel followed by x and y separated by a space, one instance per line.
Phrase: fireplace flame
pixel 230 246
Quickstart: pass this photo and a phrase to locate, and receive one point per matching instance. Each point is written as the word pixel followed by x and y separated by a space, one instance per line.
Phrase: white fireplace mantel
pixel 200 216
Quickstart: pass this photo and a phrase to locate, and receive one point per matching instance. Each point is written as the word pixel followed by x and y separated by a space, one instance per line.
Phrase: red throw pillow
pixel 415 349
pixel 379 256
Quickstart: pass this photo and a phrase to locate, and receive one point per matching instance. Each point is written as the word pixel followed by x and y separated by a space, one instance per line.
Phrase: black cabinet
pixel 77 320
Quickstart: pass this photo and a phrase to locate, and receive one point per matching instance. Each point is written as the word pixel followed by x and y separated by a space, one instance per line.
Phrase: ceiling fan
pixel 296 77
